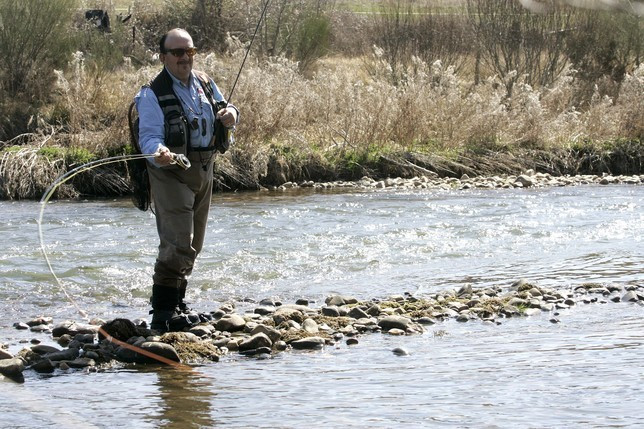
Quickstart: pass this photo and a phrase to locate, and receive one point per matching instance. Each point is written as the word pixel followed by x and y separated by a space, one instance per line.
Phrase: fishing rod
pixel 221 137
pixel 261 17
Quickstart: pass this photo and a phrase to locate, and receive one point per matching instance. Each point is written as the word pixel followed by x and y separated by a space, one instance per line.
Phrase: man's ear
pixel 162 58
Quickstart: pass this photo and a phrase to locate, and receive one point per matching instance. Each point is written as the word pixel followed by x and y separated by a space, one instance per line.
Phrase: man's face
pixel 180 66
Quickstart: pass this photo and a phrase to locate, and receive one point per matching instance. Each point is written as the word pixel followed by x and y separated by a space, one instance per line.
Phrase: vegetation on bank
pixel 328 93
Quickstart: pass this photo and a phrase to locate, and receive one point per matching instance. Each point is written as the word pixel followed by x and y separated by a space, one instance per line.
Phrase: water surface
pixel 586 371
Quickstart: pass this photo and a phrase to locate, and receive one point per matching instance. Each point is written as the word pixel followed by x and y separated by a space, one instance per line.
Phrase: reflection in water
pixel 186 397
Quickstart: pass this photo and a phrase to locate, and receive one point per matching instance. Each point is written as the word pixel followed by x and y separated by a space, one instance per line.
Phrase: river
pixel 587 371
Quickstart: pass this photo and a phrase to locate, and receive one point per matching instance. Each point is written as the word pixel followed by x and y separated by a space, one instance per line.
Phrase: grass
pixel 341 118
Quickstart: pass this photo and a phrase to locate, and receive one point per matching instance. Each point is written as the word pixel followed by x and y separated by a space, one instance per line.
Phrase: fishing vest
pixel 176 133
pixel 176 126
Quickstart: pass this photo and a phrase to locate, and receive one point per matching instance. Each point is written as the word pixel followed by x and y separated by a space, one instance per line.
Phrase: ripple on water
pixel 584 371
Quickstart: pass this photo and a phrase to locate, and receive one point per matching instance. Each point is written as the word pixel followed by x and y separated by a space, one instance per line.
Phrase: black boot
pixel 166 316
pixel 185 309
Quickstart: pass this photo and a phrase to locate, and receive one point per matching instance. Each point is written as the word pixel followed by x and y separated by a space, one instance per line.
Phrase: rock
pixel 280 346
pixel 464 290
pixel 374 310
pixel 84 338
pixel 5 355
pixel 448 312
pixel 335 300
pixel 217 314
pixel 269 331
pixel 462 318
pixel 426 321
pixel 64 340
pixel 40 328
pixel 81 362
pixel 352 341
pixel 525 181
pixel 268 302
pixel 42 349
pixel 121 329
pixel 92 355
pixel 40 321
pixel 396 331
pixel 517 302
pixel 233 344
pixel 394 322
pixel 284 314
pixel 20 325
pixel 399 351
pixel 309 343
pixel 11 367
pixel 230 323
pixel 554 320
pixel 264 310
pixel 357 313
pixel 179 337
pixel 72 328
pixel 158 348
pixel 340 300
pixel 44 366
pixel 310 326
pixel 255 342
pixel 330 311
pixel 532 311
pixel 630 296
pixel 228 307
pixel 302 301
pixel 201 330
pixel 67 354
pixel 256 352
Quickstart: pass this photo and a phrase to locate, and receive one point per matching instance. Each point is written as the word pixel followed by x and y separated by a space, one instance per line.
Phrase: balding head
pixel 177 51
pixel 175 33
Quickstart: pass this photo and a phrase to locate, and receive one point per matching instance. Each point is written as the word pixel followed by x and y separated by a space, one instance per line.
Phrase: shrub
pixel 313 41
pixel 34 38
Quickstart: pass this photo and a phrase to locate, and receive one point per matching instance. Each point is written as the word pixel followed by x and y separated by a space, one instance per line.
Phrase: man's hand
pixel 228 116
pixel 163 157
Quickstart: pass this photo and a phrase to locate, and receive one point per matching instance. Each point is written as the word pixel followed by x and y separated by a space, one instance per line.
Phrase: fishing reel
pixel 181 160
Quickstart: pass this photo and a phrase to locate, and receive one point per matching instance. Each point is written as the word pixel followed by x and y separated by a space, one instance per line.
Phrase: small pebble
pixel 399 351
pixel 352 341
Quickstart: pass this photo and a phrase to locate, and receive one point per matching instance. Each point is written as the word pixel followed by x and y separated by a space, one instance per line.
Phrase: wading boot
pixel 166 316
pixel 185 309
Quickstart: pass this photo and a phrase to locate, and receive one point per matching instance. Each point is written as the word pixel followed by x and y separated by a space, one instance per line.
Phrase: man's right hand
pixel 163 156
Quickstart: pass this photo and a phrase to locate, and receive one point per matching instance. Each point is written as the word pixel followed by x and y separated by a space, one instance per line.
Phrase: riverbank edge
pixel 27 174
pixel 273 327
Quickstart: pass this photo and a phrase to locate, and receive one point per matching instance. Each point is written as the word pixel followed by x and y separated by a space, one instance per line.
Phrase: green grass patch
pixel 71 156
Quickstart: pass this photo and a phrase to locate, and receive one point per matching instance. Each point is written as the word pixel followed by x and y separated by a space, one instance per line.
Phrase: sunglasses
pixel 180 52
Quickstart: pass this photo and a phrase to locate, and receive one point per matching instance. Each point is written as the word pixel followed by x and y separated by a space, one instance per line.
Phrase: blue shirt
pixel 195 106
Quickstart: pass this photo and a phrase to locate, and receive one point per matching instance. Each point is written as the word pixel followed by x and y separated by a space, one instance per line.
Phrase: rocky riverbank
pixel 529 179
pixel 273 327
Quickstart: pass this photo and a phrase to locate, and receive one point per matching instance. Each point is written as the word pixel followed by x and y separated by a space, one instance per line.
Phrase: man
pixel 177 117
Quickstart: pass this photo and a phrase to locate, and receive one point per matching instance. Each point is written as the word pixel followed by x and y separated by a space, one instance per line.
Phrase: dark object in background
pixel 100 18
